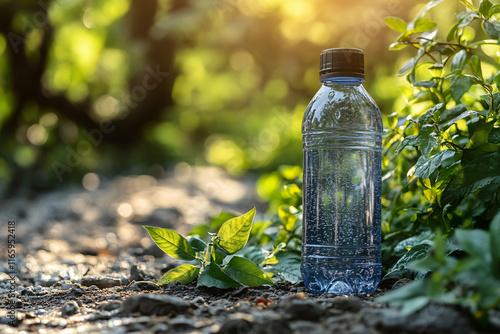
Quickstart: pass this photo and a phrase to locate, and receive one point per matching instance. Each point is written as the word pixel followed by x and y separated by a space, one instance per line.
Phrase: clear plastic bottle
pixel 342 139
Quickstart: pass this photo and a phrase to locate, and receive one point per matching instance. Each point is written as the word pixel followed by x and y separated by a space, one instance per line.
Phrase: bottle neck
pixel 343 81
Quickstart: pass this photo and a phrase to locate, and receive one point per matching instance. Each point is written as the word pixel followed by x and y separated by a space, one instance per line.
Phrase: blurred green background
pixel 136 86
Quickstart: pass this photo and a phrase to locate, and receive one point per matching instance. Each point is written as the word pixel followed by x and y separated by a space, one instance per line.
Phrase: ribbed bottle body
pixel 342 135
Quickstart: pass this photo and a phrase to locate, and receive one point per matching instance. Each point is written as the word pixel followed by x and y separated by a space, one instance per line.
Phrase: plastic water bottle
pixel 342 139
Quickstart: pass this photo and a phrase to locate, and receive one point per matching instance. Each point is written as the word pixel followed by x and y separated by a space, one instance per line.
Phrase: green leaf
pixel 171 243
pixel 459 61
pixel 290 172
pixel 475 65
pixel 494 136
pixel 417 252
pixel 495 243
pixel 467 4
pixel 217 256
pixel 407 66
pixel 184 274
pixel 467 113
pixel 397 46
pixel 213 276
pixel 426 84
pixel 429 114
pixel 459 86
pixel 425 167
pixel 235 232
pixel 412 62
pixel 492 28
pixel 197 244
pixel 427 139
pixel 255 254
pixel 288 266
pixel 484 8
pixel 404 294
pixel 477 174
pixel 403 246
pixel 282 237
pixel 424 25
pixel 452 74
pixel 396 24
pixel 287 218
pixel 427 7
pixel 293 190
pixel 487 99
pixel 452 113
pixel 246 272
pixel 416 304
pixel 465 18
pixel 439 248
pixel 494 10
pixel 496 79
pixel 451 33
pixel 221 250
pixel 475 242
pixel 480 134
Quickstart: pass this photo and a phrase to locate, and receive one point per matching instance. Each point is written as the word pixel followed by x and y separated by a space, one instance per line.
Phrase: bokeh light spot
pixel 241 60
pixel 37 135
pixel 49 120
pixel 91 181
pixel 125 210
pixel 106 106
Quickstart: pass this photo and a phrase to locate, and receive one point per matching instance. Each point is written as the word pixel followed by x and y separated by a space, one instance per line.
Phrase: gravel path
pixel 84 264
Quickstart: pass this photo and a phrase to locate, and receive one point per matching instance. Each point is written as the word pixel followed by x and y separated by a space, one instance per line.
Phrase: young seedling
pixel 213 264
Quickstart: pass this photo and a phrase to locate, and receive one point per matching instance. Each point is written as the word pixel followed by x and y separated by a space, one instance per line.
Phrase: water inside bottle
pixel 341 243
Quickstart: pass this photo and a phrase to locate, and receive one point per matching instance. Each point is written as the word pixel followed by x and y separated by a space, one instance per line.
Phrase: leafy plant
pixel 442 158
pixel 213 263
pixel 472 281
pixel 273 244
pixel 441 154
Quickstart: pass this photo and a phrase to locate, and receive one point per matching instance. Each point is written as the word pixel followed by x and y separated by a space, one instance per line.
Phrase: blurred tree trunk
pixel 24 80
pixel 160 56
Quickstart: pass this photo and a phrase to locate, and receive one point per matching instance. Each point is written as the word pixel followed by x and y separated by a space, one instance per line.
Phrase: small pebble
pixel 70 308
pixel 303 310
pixel 143 286
pixel 199 300
pixel 100 282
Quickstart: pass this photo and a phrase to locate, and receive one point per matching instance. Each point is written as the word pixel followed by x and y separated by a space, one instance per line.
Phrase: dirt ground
pixel 84 264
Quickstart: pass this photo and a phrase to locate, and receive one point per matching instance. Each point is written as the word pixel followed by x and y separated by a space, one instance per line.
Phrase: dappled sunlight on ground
pixel 110 217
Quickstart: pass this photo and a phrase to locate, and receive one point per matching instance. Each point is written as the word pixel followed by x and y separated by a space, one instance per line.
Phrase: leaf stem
pixel 425 51
pixel 490 93
pixel 207 252
pixel 445 43
pixel 454 145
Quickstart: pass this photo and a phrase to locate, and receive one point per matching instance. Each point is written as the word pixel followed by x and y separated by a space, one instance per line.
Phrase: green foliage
pixel 442 162
pixel 472 281
pixel 214 276
pixel 185 273
pixel 441 155
pixel 234 233
pixel 286 265
pixel 172 243
pixel 273 244
pixel 246 272
pixel 210 258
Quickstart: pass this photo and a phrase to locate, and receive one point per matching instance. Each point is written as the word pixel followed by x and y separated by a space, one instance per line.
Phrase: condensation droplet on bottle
pixel 337 114
pixel 331 95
